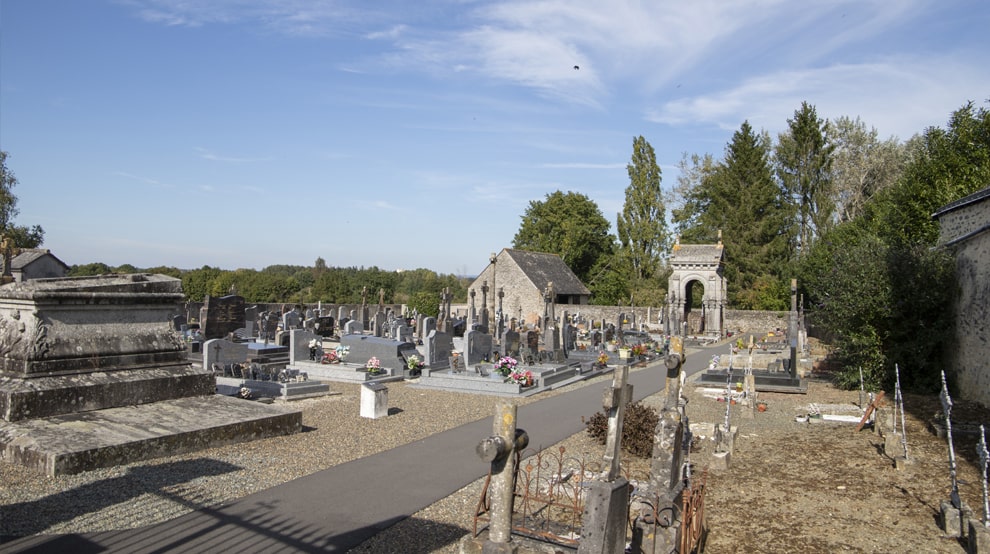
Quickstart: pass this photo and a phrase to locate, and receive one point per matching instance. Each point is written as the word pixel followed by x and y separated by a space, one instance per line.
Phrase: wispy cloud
pixel 146 180
pixel 207 155
pixel 579 165
pixel 898 96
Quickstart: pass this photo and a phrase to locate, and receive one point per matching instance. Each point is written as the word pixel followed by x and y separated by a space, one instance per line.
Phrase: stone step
pixel 74 443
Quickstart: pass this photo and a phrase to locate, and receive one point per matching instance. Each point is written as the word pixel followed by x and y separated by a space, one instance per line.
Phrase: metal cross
pixel 981 451
pixel 899 404
pixel 947 408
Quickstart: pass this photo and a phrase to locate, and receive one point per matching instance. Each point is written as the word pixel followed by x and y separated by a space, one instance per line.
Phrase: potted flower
pixel 638 350
pixel 314 345
pixel 414 364
pixel 522 377
pixel 373 366
pixel 505 365
pixel 602 359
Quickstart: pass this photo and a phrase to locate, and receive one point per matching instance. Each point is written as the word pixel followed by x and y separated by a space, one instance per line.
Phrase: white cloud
pixel 899 97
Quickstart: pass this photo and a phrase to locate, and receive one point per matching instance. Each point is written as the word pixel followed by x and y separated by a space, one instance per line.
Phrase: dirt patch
pixel 824 487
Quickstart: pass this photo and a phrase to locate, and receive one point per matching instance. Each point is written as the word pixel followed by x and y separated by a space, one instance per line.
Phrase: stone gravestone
pixel 404 333
pixel 223 352
pixel 178 322
pixel 353 327
pixel 439 346
pixel 269 326
pixel 477 347
pixel 291 320
pixel 250 321
pixel 222 316
pixel 378 324
pixel 299 345
pixel 456 364
pixel 532 345
pixel 510 343
pixel 570 337
pixel 429 325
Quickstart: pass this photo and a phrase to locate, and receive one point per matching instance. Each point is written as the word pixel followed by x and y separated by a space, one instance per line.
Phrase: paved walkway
pixel 340 507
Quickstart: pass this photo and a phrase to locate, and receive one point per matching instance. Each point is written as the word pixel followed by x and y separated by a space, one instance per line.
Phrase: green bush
pixel 638 428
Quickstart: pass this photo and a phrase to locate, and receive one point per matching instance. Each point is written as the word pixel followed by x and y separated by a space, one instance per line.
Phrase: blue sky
pixel 246 133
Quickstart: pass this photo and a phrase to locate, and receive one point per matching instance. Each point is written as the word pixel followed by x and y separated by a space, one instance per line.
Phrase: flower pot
pixel 761 406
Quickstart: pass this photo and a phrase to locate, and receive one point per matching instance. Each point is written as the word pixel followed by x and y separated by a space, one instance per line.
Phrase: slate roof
pixel 541 268
pixel 966 200
pixel 29 255
pixel 696 253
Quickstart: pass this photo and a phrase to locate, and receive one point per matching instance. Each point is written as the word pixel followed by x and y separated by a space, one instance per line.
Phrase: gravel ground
pixel 158 490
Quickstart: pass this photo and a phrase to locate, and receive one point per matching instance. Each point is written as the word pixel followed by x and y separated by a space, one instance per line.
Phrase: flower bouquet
pixel 330 357
pixel 639 350
pixel 522 377
pixel 373 366
pixel 413 363
pixel 314 347
pixel 603 359
pixel 505 365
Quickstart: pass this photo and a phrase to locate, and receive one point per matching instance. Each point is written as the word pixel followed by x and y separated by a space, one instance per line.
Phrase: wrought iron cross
pixel 899 405
pixel 981 451
pixel 947 408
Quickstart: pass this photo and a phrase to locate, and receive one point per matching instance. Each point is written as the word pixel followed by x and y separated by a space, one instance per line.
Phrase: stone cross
pixel 614 400
pixel 498 450
pixel 981 451
pixel 7 248
pixel 947 408
pixel 484 305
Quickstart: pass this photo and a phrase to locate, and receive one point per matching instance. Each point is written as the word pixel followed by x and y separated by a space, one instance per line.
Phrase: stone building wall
pixel 964 232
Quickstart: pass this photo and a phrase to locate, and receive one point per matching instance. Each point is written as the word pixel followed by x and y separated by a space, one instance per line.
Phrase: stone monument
pixel 92 375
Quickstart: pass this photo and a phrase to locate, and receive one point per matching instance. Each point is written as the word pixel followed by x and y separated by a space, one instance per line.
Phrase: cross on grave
pixel 981 451
pixel 614 400
pixel 899 408
pixel 947 408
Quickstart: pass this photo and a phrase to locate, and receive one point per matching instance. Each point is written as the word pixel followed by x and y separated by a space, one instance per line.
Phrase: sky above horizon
pixel 402 135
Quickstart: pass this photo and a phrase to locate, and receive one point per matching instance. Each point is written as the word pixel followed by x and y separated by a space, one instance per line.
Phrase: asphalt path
pixel 340 507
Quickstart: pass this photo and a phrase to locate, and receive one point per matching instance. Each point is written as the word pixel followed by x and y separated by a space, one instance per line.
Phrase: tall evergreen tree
pixel 804 162
pixel 740 197
pixel 642 226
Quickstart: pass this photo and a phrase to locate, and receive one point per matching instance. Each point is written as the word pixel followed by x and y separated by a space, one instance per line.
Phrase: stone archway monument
pixel 696 265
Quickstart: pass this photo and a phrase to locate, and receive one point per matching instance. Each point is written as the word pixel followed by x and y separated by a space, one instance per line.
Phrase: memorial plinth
pixel 78 348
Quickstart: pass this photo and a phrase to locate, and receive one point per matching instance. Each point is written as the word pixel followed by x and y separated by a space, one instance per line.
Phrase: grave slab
pixel 73 443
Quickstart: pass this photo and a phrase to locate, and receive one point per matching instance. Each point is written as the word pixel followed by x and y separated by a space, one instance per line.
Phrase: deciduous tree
pixel 567 224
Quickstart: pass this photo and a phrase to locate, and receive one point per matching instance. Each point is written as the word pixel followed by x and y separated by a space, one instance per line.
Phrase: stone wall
pixel 754 321
pixel 967 356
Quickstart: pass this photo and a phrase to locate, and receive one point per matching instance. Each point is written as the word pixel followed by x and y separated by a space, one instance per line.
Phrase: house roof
pixel 542 268
pixel 29 255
